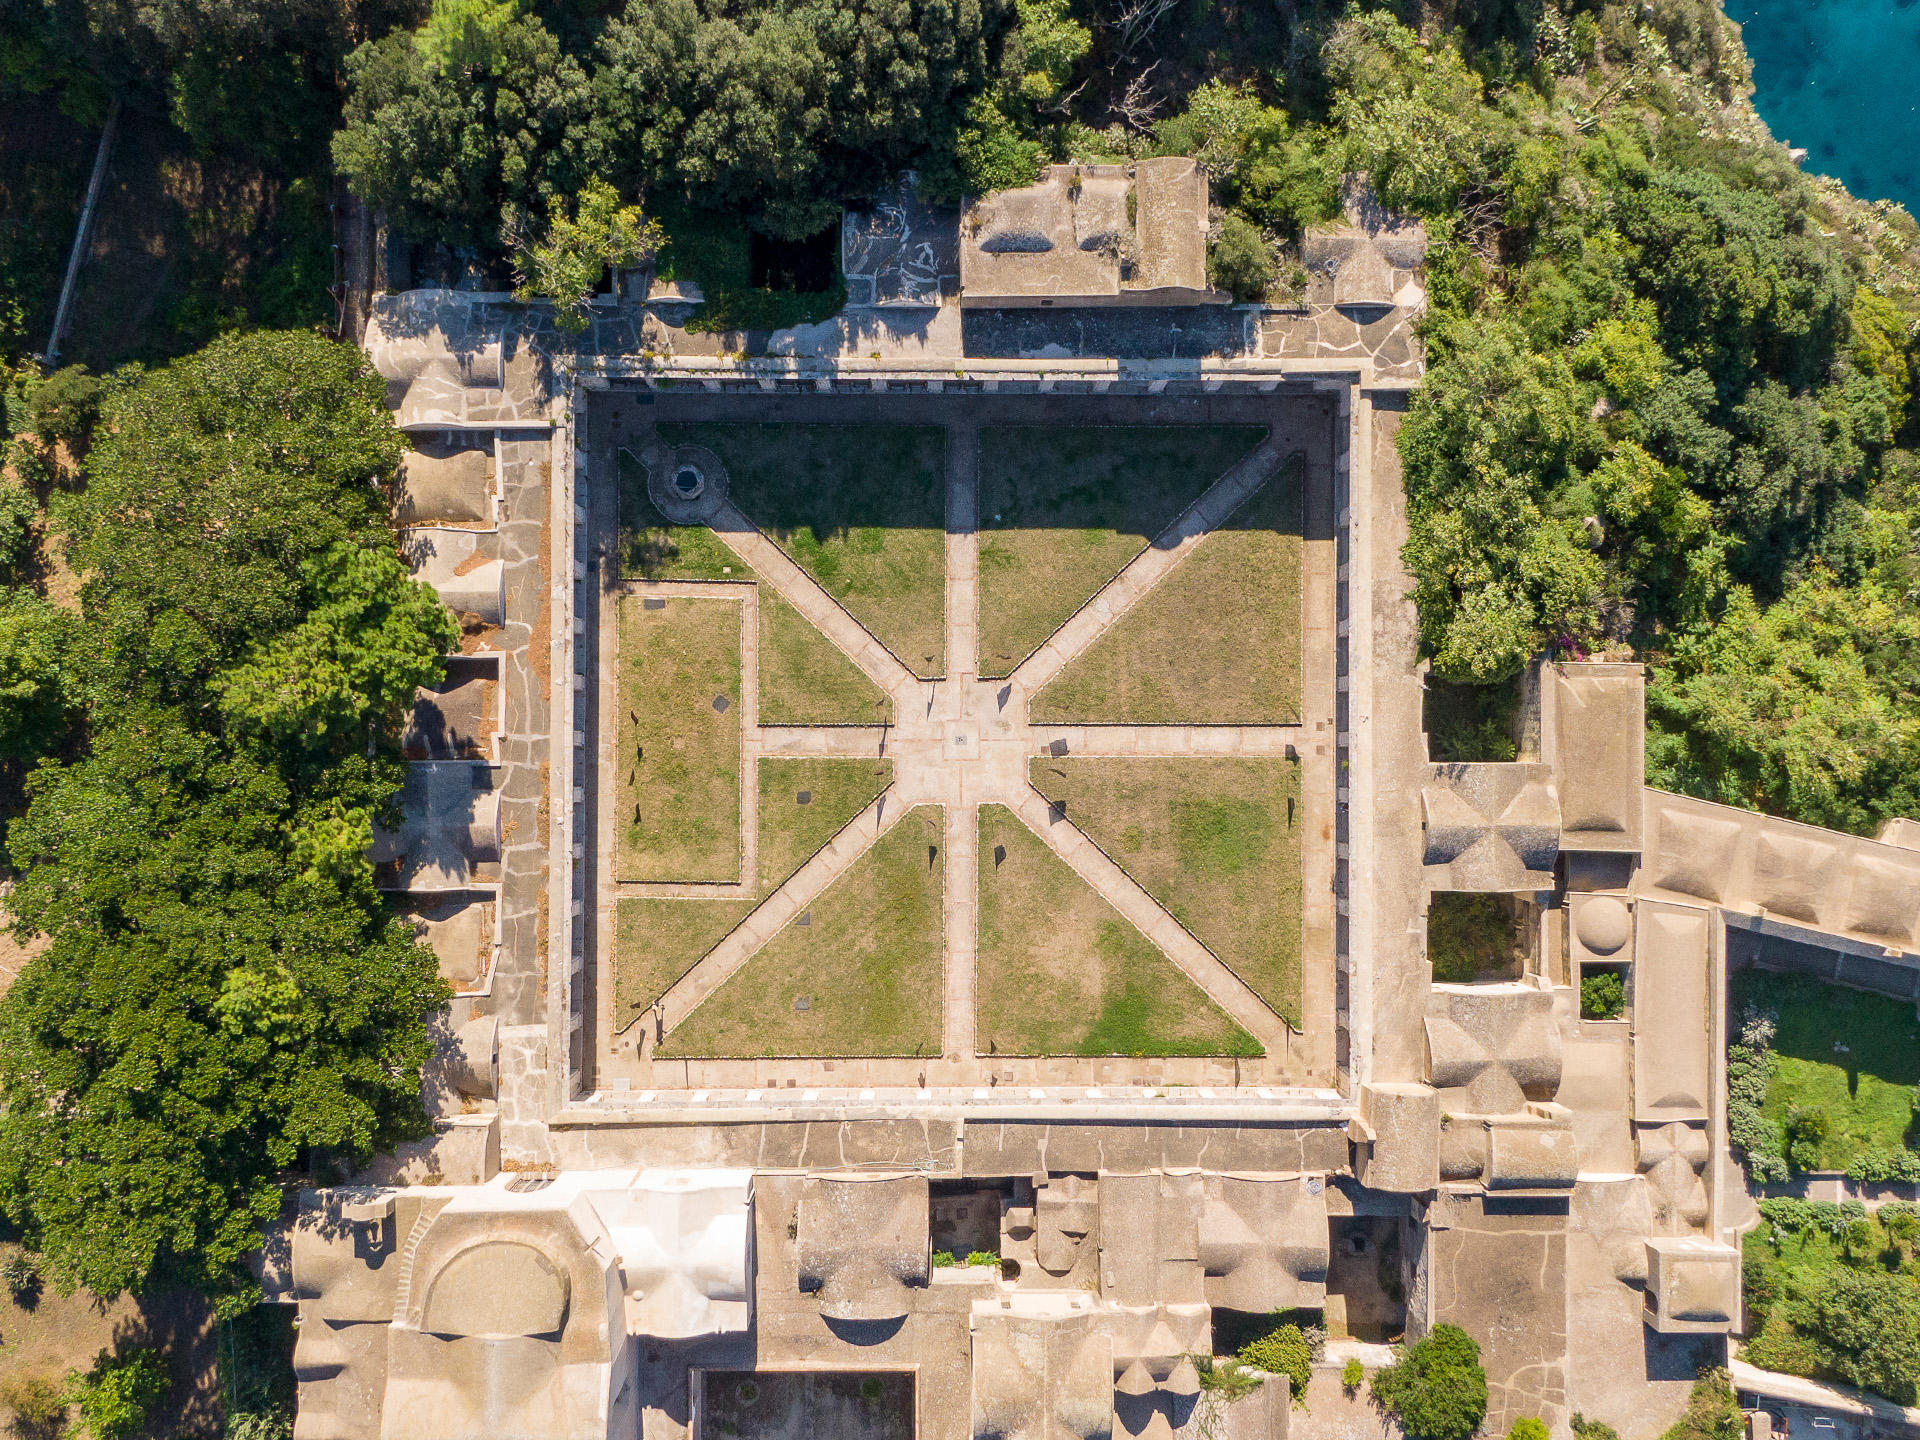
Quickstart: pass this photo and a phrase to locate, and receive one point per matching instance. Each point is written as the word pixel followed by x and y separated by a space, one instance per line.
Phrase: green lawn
pixel 805 679
pixel 1217 641
pixel 862 977
pixel 677 787
pixel 862 508
pixel 1064 508
pixel 1867 1088
pixel 1061 972
pixel 657 941
pixel 1216 841
pixel 791 830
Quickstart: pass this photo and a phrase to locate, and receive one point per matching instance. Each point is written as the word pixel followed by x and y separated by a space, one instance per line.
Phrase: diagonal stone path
pixel 1209 511
pixel 800 890
pixel 1146 914
pixel 961 742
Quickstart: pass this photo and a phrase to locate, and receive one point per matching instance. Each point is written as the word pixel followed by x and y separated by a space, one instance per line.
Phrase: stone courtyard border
pixel 572 926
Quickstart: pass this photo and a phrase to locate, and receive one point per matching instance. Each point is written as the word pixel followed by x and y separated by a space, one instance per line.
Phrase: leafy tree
pixel 1240 261
pixel 38 685
pixel 457 128
pixel 207 1012
pixel 371 636
pixel 1411 114
pixel 565 265
pixel 1603 995
pixel 1711 1413
pixel 116 1394
pixel 784 112
pixel 64 405
pixel 1529 1427
pixel 1497 575
pixel 223 992
pixel 1867 1327
pixel 218 476
pixel 1436 1389
pixel 990 153
pixel 1796 708
pixel 1281 1351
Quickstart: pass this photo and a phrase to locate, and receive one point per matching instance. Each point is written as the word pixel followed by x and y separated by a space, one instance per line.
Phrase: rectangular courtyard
pixel 960 739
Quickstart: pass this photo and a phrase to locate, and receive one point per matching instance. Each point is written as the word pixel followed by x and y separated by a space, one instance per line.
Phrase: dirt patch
pixel 58 1333
pixel 14 955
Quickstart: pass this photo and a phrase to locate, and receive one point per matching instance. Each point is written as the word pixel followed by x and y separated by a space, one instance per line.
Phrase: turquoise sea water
pixel 1841 79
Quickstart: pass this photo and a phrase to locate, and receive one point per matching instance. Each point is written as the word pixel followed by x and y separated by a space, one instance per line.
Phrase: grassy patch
pixel 1217 641
pixel 1216 841
pixel 1063 509
pixel 1470 938
pixel 657 941
pixel 1470 722
pixel 1867 1089
pixel 866 966
pixel 836 790
pixel 651 549
pixel 677 788
pixel 805 679
pixel 1787 1269
pixel 861 508
pixel 1061 972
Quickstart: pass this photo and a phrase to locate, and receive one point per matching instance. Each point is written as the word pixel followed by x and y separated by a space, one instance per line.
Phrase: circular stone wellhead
pixel 686 483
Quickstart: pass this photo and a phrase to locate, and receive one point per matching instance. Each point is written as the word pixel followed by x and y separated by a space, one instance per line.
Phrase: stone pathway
pixel 960 742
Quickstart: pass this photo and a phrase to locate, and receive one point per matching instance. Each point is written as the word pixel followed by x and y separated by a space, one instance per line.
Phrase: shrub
pixel 942 1259
pixel 21 1275
pixel 1603 995
pixel 1878 1167
pixel 1585 1429
pixel 1281 1351
pixel 1759 1290
pixel 1241 261
pixel 1353 1374
pixel 39 1411
pixel 1749 1070
pixel 1529 1427
pixel 1436 1389
pixel 116 1394
pixel 1711 1412
pixel 62 407
pixel 982 1257
pixel 1807 1127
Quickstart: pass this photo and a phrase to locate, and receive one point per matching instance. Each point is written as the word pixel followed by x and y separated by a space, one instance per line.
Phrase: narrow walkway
pixel 799 891
pixel 750 736
pixel 963 553
pixel 1207 513
pixel 1124 893
pixel 1167 741
pixel 962 923
pixel 804 593
pixel 857 742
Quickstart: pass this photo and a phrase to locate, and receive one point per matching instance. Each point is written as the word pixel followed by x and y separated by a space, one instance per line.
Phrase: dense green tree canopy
pixel 476 119
pixel 1436 1389
pixel 223 991
pixel 786 111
